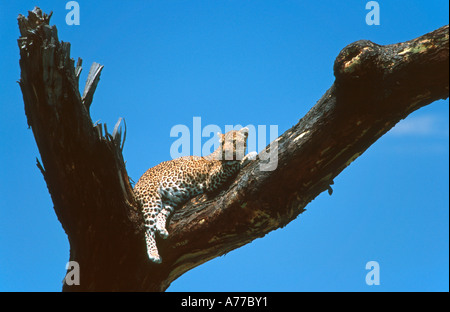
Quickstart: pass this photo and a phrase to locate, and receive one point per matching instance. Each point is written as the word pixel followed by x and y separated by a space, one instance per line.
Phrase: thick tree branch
pixel 376 86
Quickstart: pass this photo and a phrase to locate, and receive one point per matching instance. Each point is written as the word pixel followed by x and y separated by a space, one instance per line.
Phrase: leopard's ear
pixel 244 130
pixel 221 137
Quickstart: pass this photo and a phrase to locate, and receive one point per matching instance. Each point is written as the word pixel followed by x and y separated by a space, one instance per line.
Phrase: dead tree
pixel 375 87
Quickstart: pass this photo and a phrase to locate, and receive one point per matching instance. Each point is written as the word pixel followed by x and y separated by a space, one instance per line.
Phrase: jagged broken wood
pixel 91 82
pixel 375 87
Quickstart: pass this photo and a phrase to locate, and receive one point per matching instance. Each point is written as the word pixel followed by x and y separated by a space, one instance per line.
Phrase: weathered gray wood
pixel 78 69
pixel 91 84
pixel 375 87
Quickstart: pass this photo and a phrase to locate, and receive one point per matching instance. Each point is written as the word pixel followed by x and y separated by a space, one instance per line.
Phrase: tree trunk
pixel 375 87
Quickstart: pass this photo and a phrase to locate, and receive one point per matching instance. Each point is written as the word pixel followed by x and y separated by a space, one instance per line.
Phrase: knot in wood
pixel 358 61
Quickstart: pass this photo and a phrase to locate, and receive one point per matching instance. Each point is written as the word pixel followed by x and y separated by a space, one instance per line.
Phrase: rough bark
pixel 375 87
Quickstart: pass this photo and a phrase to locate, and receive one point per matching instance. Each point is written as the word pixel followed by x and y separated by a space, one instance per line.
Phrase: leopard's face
pixel 233 144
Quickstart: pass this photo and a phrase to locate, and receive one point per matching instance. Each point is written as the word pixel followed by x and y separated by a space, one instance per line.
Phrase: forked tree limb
pixel 375 87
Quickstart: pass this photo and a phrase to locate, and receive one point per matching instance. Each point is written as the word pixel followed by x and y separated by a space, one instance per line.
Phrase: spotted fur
pixel 163 188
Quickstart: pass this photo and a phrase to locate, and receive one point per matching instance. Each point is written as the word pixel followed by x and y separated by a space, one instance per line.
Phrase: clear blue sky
pixel 239 62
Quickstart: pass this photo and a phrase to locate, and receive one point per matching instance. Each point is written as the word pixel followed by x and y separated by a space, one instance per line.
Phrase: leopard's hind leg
pixel 151 211
pixel 161 220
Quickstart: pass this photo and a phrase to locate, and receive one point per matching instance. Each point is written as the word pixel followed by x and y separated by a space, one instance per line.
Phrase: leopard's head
pixel 233 144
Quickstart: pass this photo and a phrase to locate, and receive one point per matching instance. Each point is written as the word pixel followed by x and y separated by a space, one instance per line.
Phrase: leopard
pixel 168 185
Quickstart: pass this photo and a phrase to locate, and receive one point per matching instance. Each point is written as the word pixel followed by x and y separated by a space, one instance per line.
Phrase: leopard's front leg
pixel 247 158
